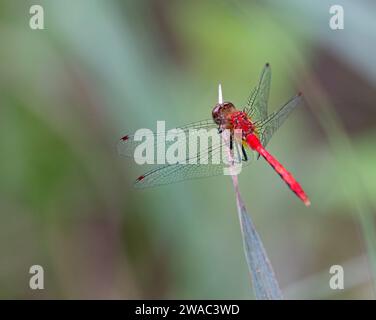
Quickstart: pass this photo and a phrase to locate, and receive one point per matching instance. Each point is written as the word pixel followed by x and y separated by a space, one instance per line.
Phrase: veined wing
pixel 257 104
pixel 271 124
pixel 128 143
pixel 205 161
pixel 172 173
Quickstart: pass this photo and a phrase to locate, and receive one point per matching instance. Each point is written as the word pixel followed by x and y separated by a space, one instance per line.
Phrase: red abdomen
pixel 255 144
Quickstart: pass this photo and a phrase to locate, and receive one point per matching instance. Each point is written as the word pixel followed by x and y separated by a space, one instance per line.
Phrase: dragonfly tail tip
pixel 307 202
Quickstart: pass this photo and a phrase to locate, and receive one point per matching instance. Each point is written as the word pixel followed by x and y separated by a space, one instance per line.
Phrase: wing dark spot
pixel 267 64
pixel 140 178
pixel 125 138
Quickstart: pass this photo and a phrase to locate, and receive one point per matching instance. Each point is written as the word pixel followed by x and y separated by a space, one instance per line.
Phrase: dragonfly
pixel 255 124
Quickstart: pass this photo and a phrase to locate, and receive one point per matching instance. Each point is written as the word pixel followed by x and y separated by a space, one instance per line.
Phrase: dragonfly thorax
pixel 228 117
pixel 239 120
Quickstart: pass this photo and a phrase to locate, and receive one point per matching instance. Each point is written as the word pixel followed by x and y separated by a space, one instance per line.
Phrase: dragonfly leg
pixel 245 157
pixel 231 142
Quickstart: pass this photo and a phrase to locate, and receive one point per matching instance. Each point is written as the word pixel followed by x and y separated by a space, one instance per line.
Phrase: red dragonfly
pixel 257 128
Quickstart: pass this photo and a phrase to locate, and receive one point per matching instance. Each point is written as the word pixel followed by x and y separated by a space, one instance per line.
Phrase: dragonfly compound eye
pixel 216 113
pixel 221 110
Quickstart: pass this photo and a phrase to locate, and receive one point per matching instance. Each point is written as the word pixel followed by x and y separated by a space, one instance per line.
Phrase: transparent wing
pixel 166 174
pixel 257 104
pixel 176 173
pixel 271 124
pixel 128 143
pixel 201 161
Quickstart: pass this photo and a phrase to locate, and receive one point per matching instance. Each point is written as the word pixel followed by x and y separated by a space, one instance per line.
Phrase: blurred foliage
pixel 102 68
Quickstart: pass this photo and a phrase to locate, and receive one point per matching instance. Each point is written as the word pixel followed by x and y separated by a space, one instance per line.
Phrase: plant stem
pixel 265 284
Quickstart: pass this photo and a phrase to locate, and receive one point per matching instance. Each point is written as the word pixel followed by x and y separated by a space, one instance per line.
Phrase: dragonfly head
pixel 221 111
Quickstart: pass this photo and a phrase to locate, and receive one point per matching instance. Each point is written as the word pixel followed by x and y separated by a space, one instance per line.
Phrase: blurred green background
pixel 103 68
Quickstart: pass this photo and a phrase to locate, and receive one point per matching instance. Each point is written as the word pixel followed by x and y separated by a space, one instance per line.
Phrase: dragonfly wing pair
pixel 257 108
pixel 200 165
